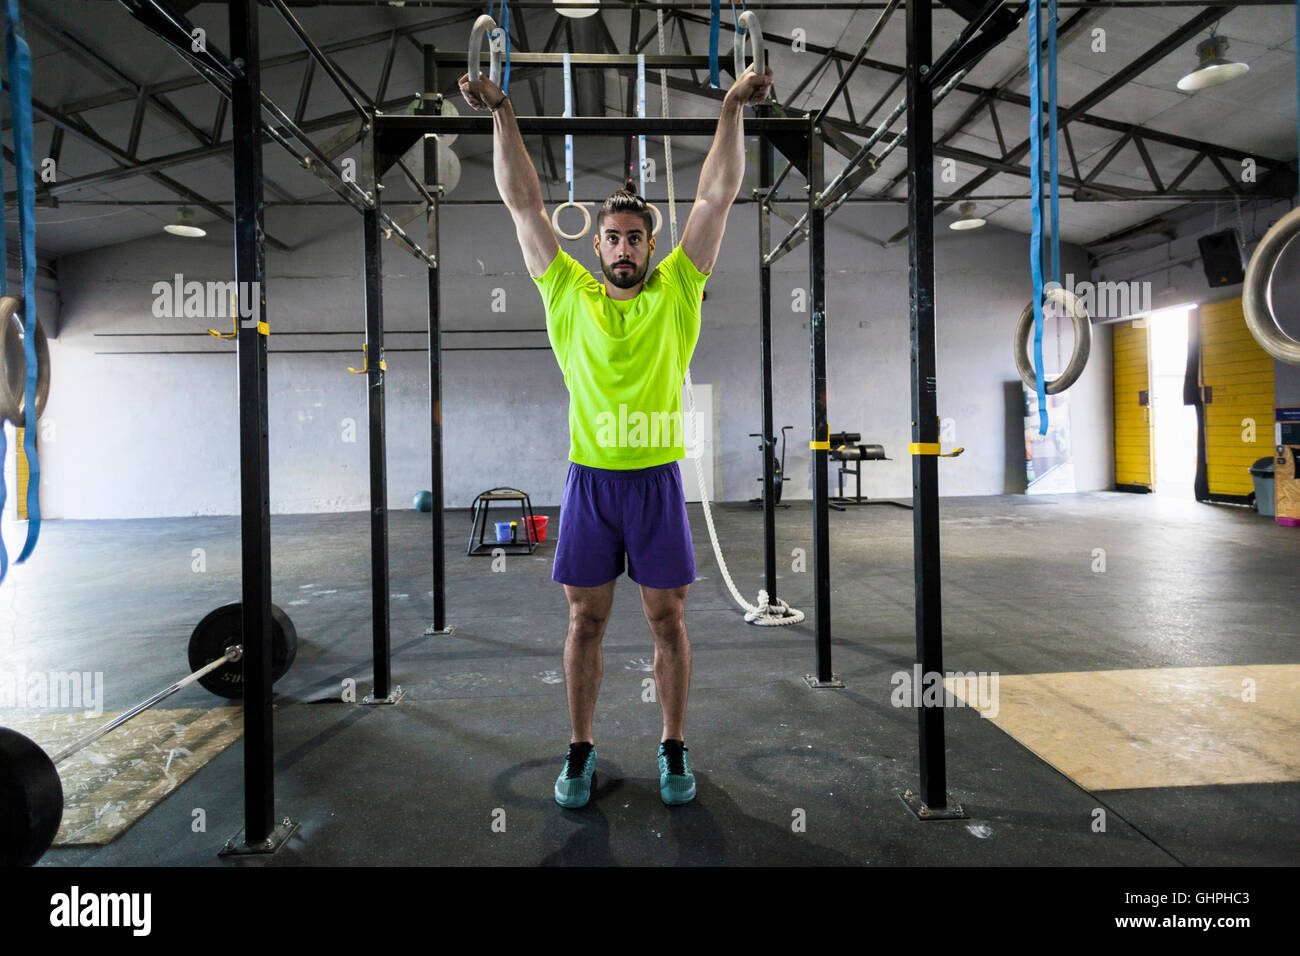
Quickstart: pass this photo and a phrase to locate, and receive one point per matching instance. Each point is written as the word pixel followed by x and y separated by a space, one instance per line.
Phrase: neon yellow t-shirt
pixel 624 362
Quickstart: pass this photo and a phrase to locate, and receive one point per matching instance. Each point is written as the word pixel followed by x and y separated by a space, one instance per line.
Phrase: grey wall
pixel 157 434
pixel 1175 271
pixel 983 285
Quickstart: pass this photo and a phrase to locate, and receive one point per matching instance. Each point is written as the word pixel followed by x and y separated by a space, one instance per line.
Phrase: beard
pixel 624 278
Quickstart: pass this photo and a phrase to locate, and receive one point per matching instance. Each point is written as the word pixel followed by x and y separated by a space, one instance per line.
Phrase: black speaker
pixel 1221 256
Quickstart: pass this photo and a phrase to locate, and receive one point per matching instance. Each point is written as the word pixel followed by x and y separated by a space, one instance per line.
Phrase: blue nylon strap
pixel 1053 157
pixel 505 25
pixel 19 61
pixel 715 21
pixel 1036 192
pixel 568 138
pixel 19 58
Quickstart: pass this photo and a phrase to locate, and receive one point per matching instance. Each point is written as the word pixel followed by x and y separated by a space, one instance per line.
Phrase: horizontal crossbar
pixel 590 125
pixel 675 61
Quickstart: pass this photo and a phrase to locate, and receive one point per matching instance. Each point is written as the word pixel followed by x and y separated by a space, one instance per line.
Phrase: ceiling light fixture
pixel 968 219
pixel 574 12
pixel 1213 67
pixel 182 225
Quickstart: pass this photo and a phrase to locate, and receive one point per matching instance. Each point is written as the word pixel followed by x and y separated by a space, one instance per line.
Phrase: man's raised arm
pixel 722 172
pixel 515 176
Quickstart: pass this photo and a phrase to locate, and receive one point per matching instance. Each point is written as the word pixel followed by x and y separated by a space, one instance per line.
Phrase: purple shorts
pixel 640 512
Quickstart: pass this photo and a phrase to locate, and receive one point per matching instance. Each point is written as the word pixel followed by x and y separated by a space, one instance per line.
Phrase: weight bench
pixel 844 449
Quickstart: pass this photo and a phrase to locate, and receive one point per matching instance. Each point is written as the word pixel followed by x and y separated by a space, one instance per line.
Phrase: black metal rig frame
pixel 385 138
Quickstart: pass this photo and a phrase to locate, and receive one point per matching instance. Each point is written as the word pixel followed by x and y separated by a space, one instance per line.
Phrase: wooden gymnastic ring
pixel 748 27
pixel 659 219
pixel 485 25
pixel 586 219
pixel 1082 341
pixel 13 364
pixel 1256 304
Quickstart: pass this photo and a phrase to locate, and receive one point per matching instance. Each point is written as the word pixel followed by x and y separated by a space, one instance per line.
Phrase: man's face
pixel 624 249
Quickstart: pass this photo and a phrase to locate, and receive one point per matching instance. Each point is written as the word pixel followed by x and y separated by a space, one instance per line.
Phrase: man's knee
pixel 589 610
pixel 668 625
pixel 586 626
pixel 664 609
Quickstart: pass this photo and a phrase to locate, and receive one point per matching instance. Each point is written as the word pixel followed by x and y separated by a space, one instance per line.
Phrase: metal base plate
pixel 913 802
pixel 839 503
pixel 278 838
pixel 506 547
pixel 397 694
pixel 449 629
pixel 834 683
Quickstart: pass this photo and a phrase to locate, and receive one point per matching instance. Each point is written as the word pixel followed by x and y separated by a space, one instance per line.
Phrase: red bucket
pixel 537 527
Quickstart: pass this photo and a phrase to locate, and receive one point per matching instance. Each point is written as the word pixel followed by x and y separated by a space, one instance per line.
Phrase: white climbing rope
pixel 764 613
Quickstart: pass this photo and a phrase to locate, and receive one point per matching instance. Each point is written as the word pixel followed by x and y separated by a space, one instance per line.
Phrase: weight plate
pixel 31 800
pixel 222 628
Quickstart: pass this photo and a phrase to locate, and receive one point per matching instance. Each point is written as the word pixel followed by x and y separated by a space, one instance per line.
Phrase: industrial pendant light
pixel 967 219
pixel 182 226
pixel 576 13
pixel 1213 67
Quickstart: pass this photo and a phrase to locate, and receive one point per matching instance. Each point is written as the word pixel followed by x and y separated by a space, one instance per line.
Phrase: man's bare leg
pixel 665 613
pixel 588 614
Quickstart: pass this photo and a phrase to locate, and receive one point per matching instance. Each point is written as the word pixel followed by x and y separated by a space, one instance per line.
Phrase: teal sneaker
pixel 573 786
pixel 676 782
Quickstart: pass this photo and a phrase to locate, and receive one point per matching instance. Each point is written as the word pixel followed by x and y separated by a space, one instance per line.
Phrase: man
pixel 624 347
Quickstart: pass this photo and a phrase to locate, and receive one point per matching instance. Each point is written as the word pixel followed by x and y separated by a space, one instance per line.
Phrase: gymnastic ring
pixel 586 219
pixel 13 364
pixel 485 26
pixel 749 28
pixel 1082 341
pixel 1255 299
pixel 659 219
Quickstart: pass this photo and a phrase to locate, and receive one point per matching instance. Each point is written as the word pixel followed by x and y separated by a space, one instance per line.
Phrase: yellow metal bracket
pixel 262 327
pixel 932 448
pixel 365 364
pixel 234 321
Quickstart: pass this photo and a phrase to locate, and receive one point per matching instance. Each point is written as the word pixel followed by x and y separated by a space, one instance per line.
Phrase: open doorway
pixel 1173 423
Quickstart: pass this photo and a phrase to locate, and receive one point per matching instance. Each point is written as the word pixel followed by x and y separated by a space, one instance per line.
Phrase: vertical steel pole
pixel 925 420
pixel 378 453
pixel 765 364
pixel 817 333
pixel 435 357
pixel 254 453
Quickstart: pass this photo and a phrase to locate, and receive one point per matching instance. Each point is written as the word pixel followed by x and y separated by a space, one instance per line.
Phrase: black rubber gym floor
pixel 460 772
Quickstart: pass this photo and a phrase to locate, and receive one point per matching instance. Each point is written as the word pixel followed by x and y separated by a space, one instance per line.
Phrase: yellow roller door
pixel 1132 405
pixel 1237 386
pixel 22 475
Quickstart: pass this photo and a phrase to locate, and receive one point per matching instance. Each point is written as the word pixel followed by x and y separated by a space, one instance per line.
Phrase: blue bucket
pixel 503 531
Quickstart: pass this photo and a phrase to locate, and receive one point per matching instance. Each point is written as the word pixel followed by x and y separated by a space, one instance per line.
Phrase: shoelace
pixel 673 753
pixel 576 760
